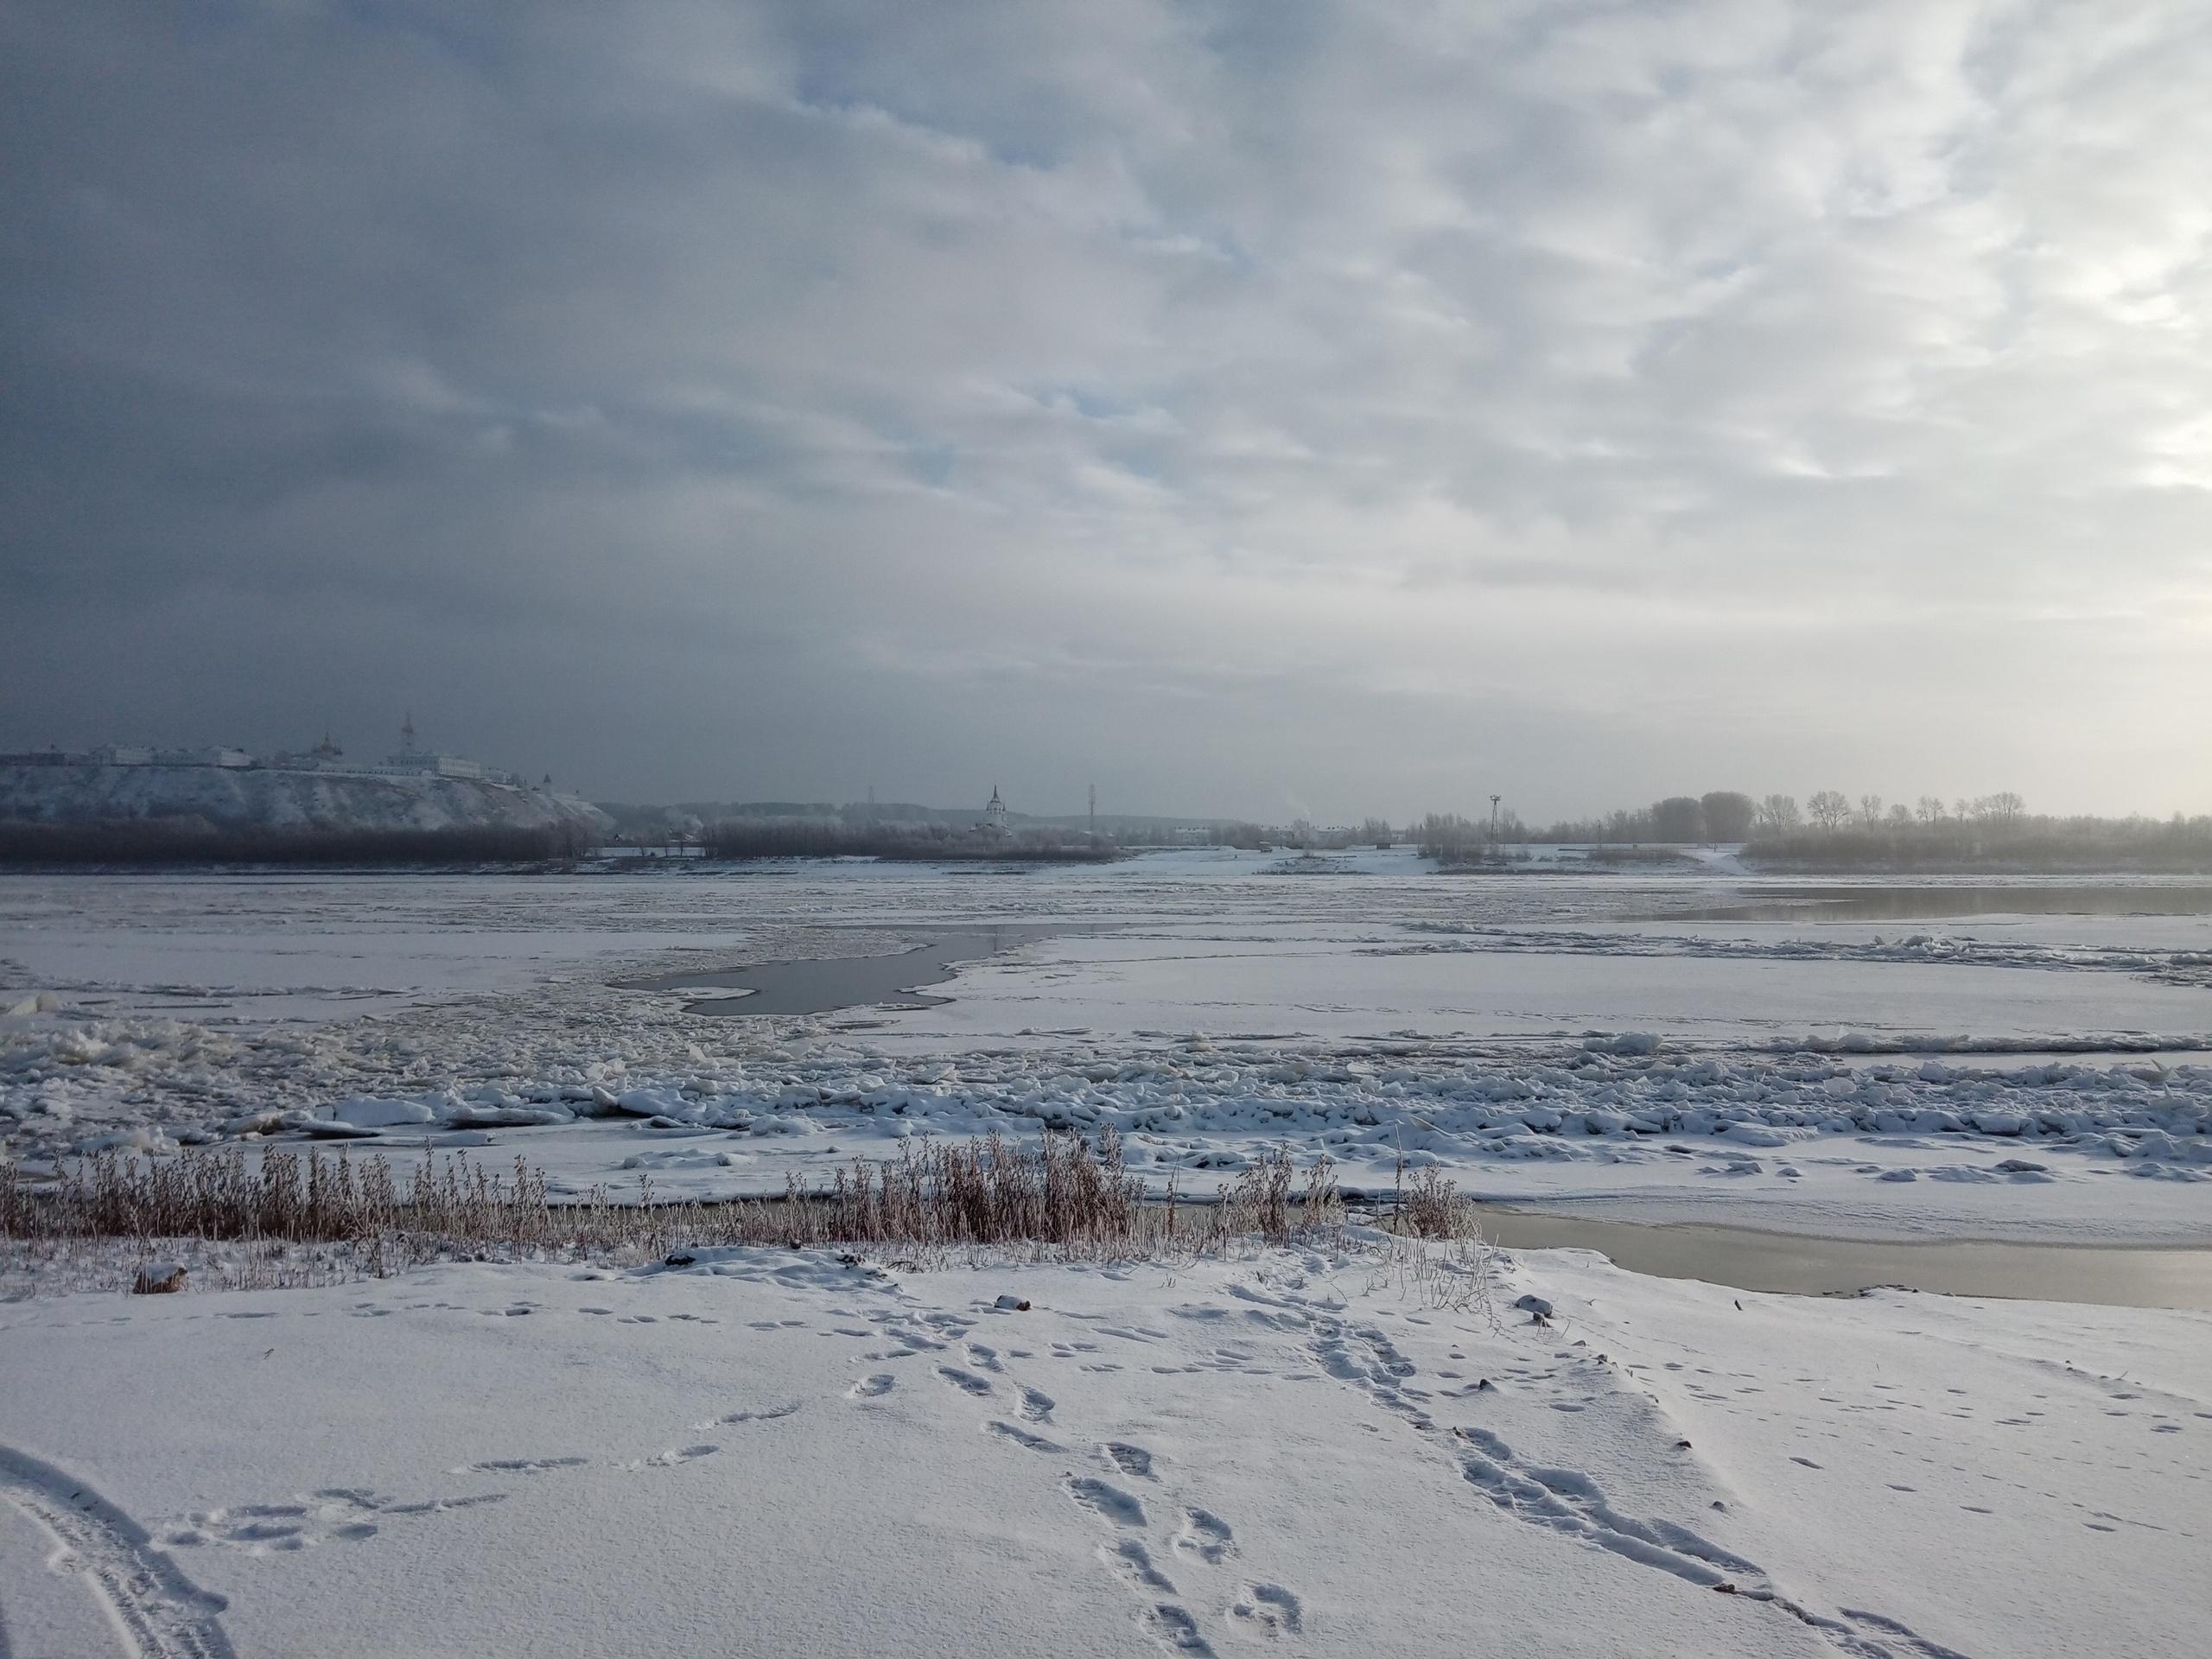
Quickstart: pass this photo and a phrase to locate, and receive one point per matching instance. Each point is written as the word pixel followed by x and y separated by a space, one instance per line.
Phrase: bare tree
pixel 1900 817
pixel 1870 811
pixel 1778 815
pixel 1828 808
pixel 1930 809
pixel 2003 809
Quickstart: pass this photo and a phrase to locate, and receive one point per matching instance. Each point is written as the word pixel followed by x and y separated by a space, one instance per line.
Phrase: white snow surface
pixel 1296 1452
pixel 1542 1035
pixel 1306 1450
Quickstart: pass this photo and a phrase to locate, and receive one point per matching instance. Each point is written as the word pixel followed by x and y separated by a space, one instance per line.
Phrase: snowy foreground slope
pixel 1297 1453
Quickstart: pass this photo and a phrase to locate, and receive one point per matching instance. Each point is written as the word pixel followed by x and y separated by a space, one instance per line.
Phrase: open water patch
pixel 1795 1264
pixel 893 979
pixel 1914 904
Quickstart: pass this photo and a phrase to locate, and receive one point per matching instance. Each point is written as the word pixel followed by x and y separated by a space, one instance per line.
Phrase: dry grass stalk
pixel 1061 1193
pixel 1429 1206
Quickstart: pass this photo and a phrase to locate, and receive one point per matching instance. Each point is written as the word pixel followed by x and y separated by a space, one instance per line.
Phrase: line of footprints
pixel 1120 1497
pixel 1201 1539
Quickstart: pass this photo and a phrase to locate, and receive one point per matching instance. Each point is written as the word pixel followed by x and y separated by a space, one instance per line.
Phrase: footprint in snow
pixel 874 1388
pixel 1132 1460
pixel 669 1459
pixel 1022 1437
pixel 967 1381
pixel 1109 1503
pixel 516 1465
pixel 1035 1407
pixel 1133 1562
pixel 441 1505
pixel 1206 1536
pixel 1174 1629
pixel 766 1414
pixel 1267 1610
pixel 337 1512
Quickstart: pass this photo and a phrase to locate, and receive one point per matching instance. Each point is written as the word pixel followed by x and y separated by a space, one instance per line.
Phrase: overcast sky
pixel 1250 408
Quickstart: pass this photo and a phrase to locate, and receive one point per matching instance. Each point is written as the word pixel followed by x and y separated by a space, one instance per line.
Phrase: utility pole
pixel 1493 820
pixel 1094 811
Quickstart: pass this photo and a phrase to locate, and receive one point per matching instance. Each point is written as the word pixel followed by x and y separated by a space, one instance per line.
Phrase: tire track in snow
pixel 157 1612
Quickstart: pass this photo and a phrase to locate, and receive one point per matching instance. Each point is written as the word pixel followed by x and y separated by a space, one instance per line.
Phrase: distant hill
pixel 267 798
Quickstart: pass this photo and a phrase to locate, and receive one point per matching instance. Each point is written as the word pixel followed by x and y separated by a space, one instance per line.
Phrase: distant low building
pixel 412 758
pixel 213 755
pixel 121 755
pixel 409 761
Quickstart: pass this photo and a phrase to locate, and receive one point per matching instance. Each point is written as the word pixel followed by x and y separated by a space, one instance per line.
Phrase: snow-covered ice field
pixel 1540 1034
pixel 778 1453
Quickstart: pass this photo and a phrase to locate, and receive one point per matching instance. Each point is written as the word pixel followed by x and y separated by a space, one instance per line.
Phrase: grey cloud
pixel 1387 403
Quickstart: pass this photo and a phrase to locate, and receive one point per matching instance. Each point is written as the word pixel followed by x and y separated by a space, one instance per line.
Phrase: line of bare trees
pixel 1725 815
pixel 1831 811
pixel 1994 831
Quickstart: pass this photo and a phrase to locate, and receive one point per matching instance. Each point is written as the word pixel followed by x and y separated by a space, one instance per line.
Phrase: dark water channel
pixel 1746 1259
pixel 1936 904
pixel 832 983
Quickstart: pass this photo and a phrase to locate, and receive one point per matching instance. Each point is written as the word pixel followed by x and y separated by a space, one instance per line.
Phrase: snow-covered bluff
pixel 269 798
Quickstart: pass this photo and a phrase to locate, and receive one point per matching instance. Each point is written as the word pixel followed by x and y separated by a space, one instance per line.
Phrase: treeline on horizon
pixel 196 841
pixel 1994 831
pixel 1832 830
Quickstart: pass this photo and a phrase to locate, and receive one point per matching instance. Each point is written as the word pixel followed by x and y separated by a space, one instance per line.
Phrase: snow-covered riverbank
pixel 779 1453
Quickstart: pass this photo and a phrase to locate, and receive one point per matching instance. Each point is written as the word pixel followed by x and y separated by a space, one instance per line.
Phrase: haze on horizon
pixel 1251 410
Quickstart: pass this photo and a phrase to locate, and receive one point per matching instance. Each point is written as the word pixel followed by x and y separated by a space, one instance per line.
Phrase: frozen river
pixel 1855 1058
pixel 1729 1088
